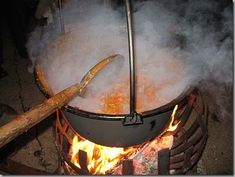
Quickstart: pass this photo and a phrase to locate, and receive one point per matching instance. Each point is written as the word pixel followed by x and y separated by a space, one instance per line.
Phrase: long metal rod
pixel 131 56
pixel 61 17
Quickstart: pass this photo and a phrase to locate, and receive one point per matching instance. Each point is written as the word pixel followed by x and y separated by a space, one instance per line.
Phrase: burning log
pixel 27 120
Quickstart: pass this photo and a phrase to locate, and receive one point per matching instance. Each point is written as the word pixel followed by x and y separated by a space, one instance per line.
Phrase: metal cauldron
pixel 120 130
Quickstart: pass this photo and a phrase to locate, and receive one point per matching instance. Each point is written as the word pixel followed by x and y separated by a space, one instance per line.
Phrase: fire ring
pixel 189 139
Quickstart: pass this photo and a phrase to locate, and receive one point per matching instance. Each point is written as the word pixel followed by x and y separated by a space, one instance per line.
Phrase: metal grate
pixel 188 144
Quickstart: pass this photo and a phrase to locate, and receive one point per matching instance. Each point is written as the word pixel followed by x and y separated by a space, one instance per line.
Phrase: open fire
pixel 182 140
pixel 174 151
pixel 101 159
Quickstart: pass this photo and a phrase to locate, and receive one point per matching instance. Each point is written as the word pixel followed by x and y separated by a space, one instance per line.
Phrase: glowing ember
pixel 146 160
pixel 99 158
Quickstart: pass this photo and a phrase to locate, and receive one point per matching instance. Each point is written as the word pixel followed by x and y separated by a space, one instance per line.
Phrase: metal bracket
pixel 133 119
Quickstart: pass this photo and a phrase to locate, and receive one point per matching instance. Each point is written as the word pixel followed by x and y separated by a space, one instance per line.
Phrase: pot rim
pixel 182 98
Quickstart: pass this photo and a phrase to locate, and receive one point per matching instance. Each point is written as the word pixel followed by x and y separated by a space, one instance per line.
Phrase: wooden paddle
pixel 22 123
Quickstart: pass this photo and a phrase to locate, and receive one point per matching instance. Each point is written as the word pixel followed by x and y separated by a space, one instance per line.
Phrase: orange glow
pixel 100 159
pixel 173 123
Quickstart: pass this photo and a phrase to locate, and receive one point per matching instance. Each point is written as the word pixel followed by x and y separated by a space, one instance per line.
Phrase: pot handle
pixel 131 56
pixel 134 117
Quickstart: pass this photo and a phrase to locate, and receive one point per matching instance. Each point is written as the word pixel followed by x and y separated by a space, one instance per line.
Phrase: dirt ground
pixel 217 158
pixel 36 148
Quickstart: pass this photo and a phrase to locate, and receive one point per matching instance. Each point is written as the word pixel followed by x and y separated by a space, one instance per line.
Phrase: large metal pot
pixel 115 130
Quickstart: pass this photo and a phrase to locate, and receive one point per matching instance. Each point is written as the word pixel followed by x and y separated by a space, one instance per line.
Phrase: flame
pixel 173 123
pixel 100 159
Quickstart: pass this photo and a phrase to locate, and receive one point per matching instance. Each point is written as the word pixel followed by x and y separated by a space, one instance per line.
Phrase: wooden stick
pixel 42 82
pixel 127 167
pixel 27 120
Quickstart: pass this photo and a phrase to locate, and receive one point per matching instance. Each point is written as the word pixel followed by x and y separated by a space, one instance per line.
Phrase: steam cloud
pixel 177 43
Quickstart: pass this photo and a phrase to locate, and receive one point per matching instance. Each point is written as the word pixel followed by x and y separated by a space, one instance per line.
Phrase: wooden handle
pixel 27 120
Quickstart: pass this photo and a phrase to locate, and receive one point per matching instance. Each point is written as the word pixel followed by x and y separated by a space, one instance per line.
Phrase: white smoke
pixel 177 43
